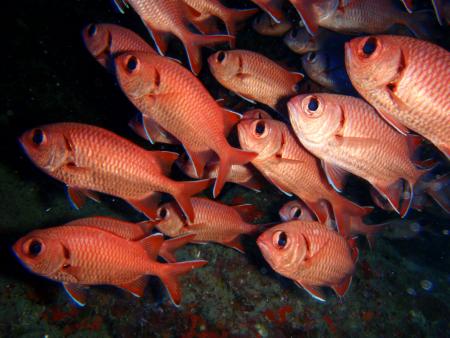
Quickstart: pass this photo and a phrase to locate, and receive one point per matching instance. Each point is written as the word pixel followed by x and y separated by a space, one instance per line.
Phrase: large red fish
pixel 168 93
pixel 348 135
pixel 254 77
pixel 311 255
pixel 285 163
pixel 407 81
pixel 88 158
pixel 164 17
pixel 355 16
pixel 83 254
pixel 214 222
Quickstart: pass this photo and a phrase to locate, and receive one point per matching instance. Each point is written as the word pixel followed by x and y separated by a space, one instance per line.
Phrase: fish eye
pixel 313 104
pixel 296 212
pixel 369 46
pixel 92 30
pixel 35 248
pixel 163 213
pixel 280 239
pixel 260 128
pixel 132 64
pixel 38 137
pixel 311 57
pixel 220 56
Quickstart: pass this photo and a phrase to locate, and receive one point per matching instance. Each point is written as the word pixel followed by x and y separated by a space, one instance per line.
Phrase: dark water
pixel 48 76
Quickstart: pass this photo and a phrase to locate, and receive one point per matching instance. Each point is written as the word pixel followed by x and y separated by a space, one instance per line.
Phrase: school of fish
pixel 381 112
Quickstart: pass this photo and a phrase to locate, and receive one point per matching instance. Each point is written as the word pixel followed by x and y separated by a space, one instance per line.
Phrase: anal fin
pixel 77 292
pixel 315 292
pixel 341 289
pixel 136 287
pixel 235 244
pixel 78 196
pixel 147 205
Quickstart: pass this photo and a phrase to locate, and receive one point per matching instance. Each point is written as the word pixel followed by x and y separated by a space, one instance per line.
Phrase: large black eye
pixel 220 56
pixel 92 30
pixel 311 57
pixel 282 239
pixel 132 63
pixel 297 212
pixel 313 104
pixel 35 248
pixel 260 128
pixel 162 213
pixel 370 46
pixel 38 136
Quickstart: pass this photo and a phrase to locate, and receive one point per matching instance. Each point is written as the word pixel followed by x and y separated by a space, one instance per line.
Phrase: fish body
pixel 104 41
pixel 301 42
pixel 170 95
pixel 163 17
pixel 290 167
pixel 81 255
pixel 406 81
pixel 327 68
pixel 88 158
pixel 348 135
pixel 214 222
pixel 311 255
pixel 253 76
pixel 353 17
pixel 265 25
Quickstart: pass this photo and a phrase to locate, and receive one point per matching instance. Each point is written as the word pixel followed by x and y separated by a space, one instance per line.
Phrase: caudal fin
pixel 234 17
pixel 169 274
pixel 184 192
pixel 227 159
pixel 169 247
pixel 194 42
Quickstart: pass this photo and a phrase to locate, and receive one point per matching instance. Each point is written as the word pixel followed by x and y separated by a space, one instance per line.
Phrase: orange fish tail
pixel 184 192
pixel 194 42
pixel 169 247
pixel 227 159
pixel 170 272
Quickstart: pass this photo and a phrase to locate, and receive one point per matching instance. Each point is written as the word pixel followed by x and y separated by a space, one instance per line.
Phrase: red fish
pixel 83 254
pixel 348 135
pixel 311 255
pixel 353 17
pixel 174 98
pixel 88 158
pixel 285 163
pixel 164 17
pixel 214 222
pixel 406 81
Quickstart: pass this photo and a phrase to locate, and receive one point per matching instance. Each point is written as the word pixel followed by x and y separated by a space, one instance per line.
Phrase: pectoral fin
pixel 336 176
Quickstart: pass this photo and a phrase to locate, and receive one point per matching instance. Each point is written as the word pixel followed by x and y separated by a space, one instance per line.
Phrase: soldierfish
pixel 327 68
pixel 272 7
pixel 88 158
pixel 407 82
pixel 164 17
pixel 244 175
pixel 83 255
pixel 348 135
pixel 203 10
pixel 311 255
pixel 300 41
pixel 254 77
pixel 356 16
pixel 169 94
pixel 285 163
pixel 106 40
pixel 214 222
pixel 265 25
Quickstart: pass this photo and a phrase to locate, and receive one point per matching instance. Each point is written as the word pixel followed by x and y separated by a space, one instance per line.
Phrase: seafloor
pixel 48 76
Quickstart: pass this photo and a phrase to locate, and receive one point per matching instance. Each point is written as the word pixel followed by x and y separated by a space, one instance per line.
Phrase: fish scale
pixel 418 72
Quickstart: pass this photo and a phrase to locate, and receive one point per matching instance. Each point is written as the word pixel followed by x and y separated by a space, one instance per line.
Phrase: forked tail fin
pixel 185 190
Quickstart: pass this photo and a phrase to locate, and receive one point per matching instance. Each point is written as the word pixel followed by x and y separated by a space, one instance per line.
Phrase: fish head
pixel 138 73
pixel 48 147
pixel 263 136
pixel 171 219
pixel 42 253
pixel 225 65
pixel 98 41
pixel 283 247
pixel 256 114
pixel 315 62
pixel 373 62
pixel 316 118
pixel 300 41
pixel 295 209
pixel 265 25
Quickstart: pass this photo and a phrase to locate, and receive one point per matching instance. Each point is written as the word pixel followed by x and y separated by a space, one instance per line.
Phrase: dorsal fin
pixel 152 244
